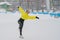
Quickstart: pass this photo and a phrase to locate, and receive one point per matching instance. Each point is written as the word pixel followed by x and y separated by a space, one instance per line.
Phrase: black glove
pixel 18 7
pixel 37 17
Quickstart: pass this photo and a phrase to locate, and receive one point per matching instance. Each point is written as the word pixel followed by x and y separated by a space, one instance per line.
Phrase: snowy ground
pixel 46 28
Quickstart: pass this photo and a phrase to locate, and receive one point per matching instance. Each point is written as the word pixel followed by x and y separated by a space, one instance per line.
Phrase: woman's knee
pixel 20 27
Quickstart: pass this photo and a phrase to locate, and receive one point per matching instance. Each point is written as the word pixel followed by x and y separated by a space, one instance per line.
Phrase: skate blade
pixel 21 37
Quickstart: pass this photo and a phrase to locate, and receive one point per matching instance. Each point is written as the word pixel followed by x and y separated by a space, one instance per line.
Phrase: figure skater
pixel 24 16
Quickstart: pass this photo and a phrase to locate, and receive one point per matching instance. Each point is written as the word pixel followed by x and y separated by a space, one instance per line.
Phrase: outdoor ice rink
pixel 44 28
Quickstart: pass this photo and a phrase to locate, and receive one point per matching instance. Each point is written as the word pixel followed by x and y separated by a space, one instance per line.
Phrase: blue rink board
pixel 50 13
pixel 45 13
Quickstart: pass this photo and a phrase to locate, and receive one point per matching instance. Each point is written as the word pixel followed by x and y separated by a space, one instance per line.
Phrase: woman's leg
pixel 20 27
pixel 20 21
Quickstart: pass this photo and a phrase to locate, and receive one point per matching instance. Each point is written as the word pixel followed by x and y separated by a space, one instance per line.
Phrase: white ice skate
pixel 21 37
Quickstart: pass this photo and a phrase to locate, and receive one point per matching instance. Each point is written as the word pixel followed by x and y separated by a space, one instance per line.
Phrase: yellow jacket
pixel 24 15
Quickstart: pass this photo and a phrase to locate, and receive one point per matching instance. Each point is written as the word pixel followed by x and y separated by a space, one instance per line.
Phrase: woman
pixel 24 16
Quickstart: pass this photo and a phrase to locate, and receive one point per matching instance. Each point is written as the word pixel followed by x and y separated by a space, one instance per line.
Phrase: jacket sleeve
pixel 21 10
pixel 31 17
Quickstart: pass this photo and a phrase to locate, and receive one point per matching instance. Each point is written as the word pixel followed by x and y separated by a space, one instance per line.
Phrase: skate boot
pixel 21 37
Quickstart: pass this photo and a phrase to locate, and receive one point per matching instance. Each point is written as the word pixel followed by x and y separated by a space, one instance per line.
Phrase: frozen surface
pixel 46 28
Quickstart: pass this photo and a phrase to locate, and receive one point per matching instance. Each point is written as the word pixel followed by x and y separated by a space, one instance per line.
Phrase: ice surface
pixel 45 28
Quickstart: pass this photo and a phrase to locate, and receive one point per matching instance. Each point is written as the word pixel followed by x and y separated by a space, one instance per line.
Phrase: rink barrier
pixel 55 14
pixel 39 12
pixel 45 13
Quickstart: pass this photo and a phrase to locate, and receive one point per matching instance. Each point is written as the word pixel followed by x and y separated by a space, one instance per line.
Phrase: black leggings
pixel 20 22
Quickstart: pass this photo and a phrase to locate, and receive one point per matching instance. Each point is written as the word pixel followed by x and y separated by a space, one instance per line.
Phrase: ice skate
pixel 21 37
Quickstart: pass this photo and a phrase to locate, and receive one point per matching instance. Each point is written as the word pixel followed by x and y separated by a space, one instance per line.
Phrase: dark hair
pixel 27 11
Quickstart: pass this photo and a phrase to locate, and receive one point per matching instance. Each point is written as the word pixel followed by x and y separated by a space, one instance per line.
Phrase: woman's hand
pixel 37 17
